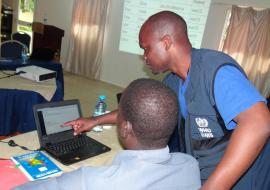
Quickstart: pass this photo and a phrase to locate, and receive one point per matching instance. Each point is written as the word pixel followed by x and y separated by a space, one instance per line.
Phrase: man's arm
pixel 86 124
pixel 247 140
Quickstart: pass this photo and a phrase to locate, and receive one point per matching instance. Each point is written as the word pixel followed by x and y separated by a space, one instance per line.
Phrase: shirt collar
pixel 153 156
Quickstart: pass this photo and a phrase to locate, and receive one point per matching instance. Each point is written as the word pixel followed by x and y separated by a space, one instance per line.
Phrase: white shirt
pixel 131 170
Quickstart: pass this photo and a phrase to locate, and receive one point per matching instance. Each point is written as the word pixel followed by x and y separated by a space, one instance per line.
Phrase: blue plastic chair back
pixel 22 37
pixel 11 49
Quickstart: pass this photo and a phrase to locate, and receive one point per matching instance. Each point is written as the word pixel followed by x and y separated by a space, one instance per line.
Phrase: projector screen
pixel 137 11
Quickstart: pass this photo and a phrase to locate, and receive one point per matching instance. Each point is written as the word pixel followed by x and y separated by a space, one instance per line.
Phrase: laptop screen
pixel 52 116
pixel 49 119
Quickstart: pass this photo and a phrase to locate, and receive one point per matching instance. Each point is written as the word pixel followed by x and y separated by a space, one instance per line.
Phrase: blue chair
pixel 22 37
pixel 12 49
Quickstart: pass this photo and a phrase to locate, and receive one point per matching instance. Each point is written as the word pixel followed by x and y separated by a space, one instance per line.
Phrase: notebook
pixel 59 141
pixel 10 175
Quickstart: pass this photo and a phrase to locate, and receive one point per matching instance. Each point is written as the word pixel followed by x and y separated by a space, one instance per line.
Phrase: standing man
pixel 224 122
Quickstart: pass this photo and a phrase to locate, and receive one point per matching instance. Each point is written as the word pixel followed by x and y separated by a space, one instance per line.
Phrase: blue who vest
pixel 204 134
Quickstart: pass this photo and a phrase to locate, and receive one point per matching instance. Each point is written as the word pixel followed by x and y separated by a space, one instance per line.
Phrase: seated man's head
pixel 147 115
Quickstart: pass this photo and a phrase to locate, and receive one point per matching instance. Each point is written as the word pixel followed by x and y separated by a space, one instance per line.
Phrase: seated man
pixel 148 112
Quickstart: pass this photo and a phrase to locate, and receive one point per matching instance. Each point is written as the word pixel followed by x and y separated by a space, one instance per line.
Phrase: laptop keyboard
pixel 71 145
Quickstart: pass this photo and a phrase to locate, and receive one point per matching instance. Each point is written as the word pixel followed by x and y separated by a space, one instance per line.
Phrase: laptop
pixel 59 141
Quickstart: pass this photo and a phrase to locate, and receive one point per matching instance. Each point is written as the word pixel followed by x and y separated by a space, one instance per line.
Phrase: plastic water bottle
pixel 24 55
pixel 100 109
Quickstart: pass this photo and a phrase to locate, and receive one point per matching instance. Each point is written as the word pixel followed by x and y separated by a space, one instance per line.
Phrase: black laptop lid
pixel 49 118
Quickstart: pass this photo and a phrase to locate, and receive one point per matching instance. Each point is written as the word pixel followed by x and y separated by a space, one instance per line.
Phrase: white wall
pixel 121 68
pixel 57 13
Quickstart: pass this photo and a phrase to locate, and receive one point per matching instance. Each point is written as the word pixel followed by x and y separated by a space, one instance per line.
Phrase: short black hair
pixel 152 109
pixel 168 22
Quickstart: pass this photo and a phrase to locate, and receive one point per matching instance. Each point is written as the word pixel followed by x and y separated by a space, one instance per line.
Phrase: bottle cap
pixel 102 97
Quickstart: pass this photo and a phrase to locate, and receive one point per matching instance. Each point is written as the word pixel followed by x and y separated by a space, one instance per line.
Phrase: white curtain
pixel 87 35
pixel 248 41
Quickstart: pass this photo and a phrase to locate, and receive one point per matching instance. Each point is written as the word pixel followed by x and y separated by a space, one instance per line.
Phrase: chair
pixel 44 54
pixel 12 49
pixel 22 37
pixel 47 36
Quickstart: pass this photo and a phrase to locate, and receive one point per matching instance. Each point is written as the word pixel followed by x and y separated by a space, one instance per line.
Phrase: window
pixel 26 9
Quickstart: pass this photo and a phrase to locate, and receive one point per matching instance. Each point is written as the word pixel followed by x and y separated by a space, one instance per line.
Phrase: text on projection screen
pixel 137 11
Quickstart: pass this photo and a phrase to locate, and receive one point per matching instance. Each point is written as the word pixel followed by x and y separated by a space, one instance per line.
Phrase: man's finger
pixel 69 123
